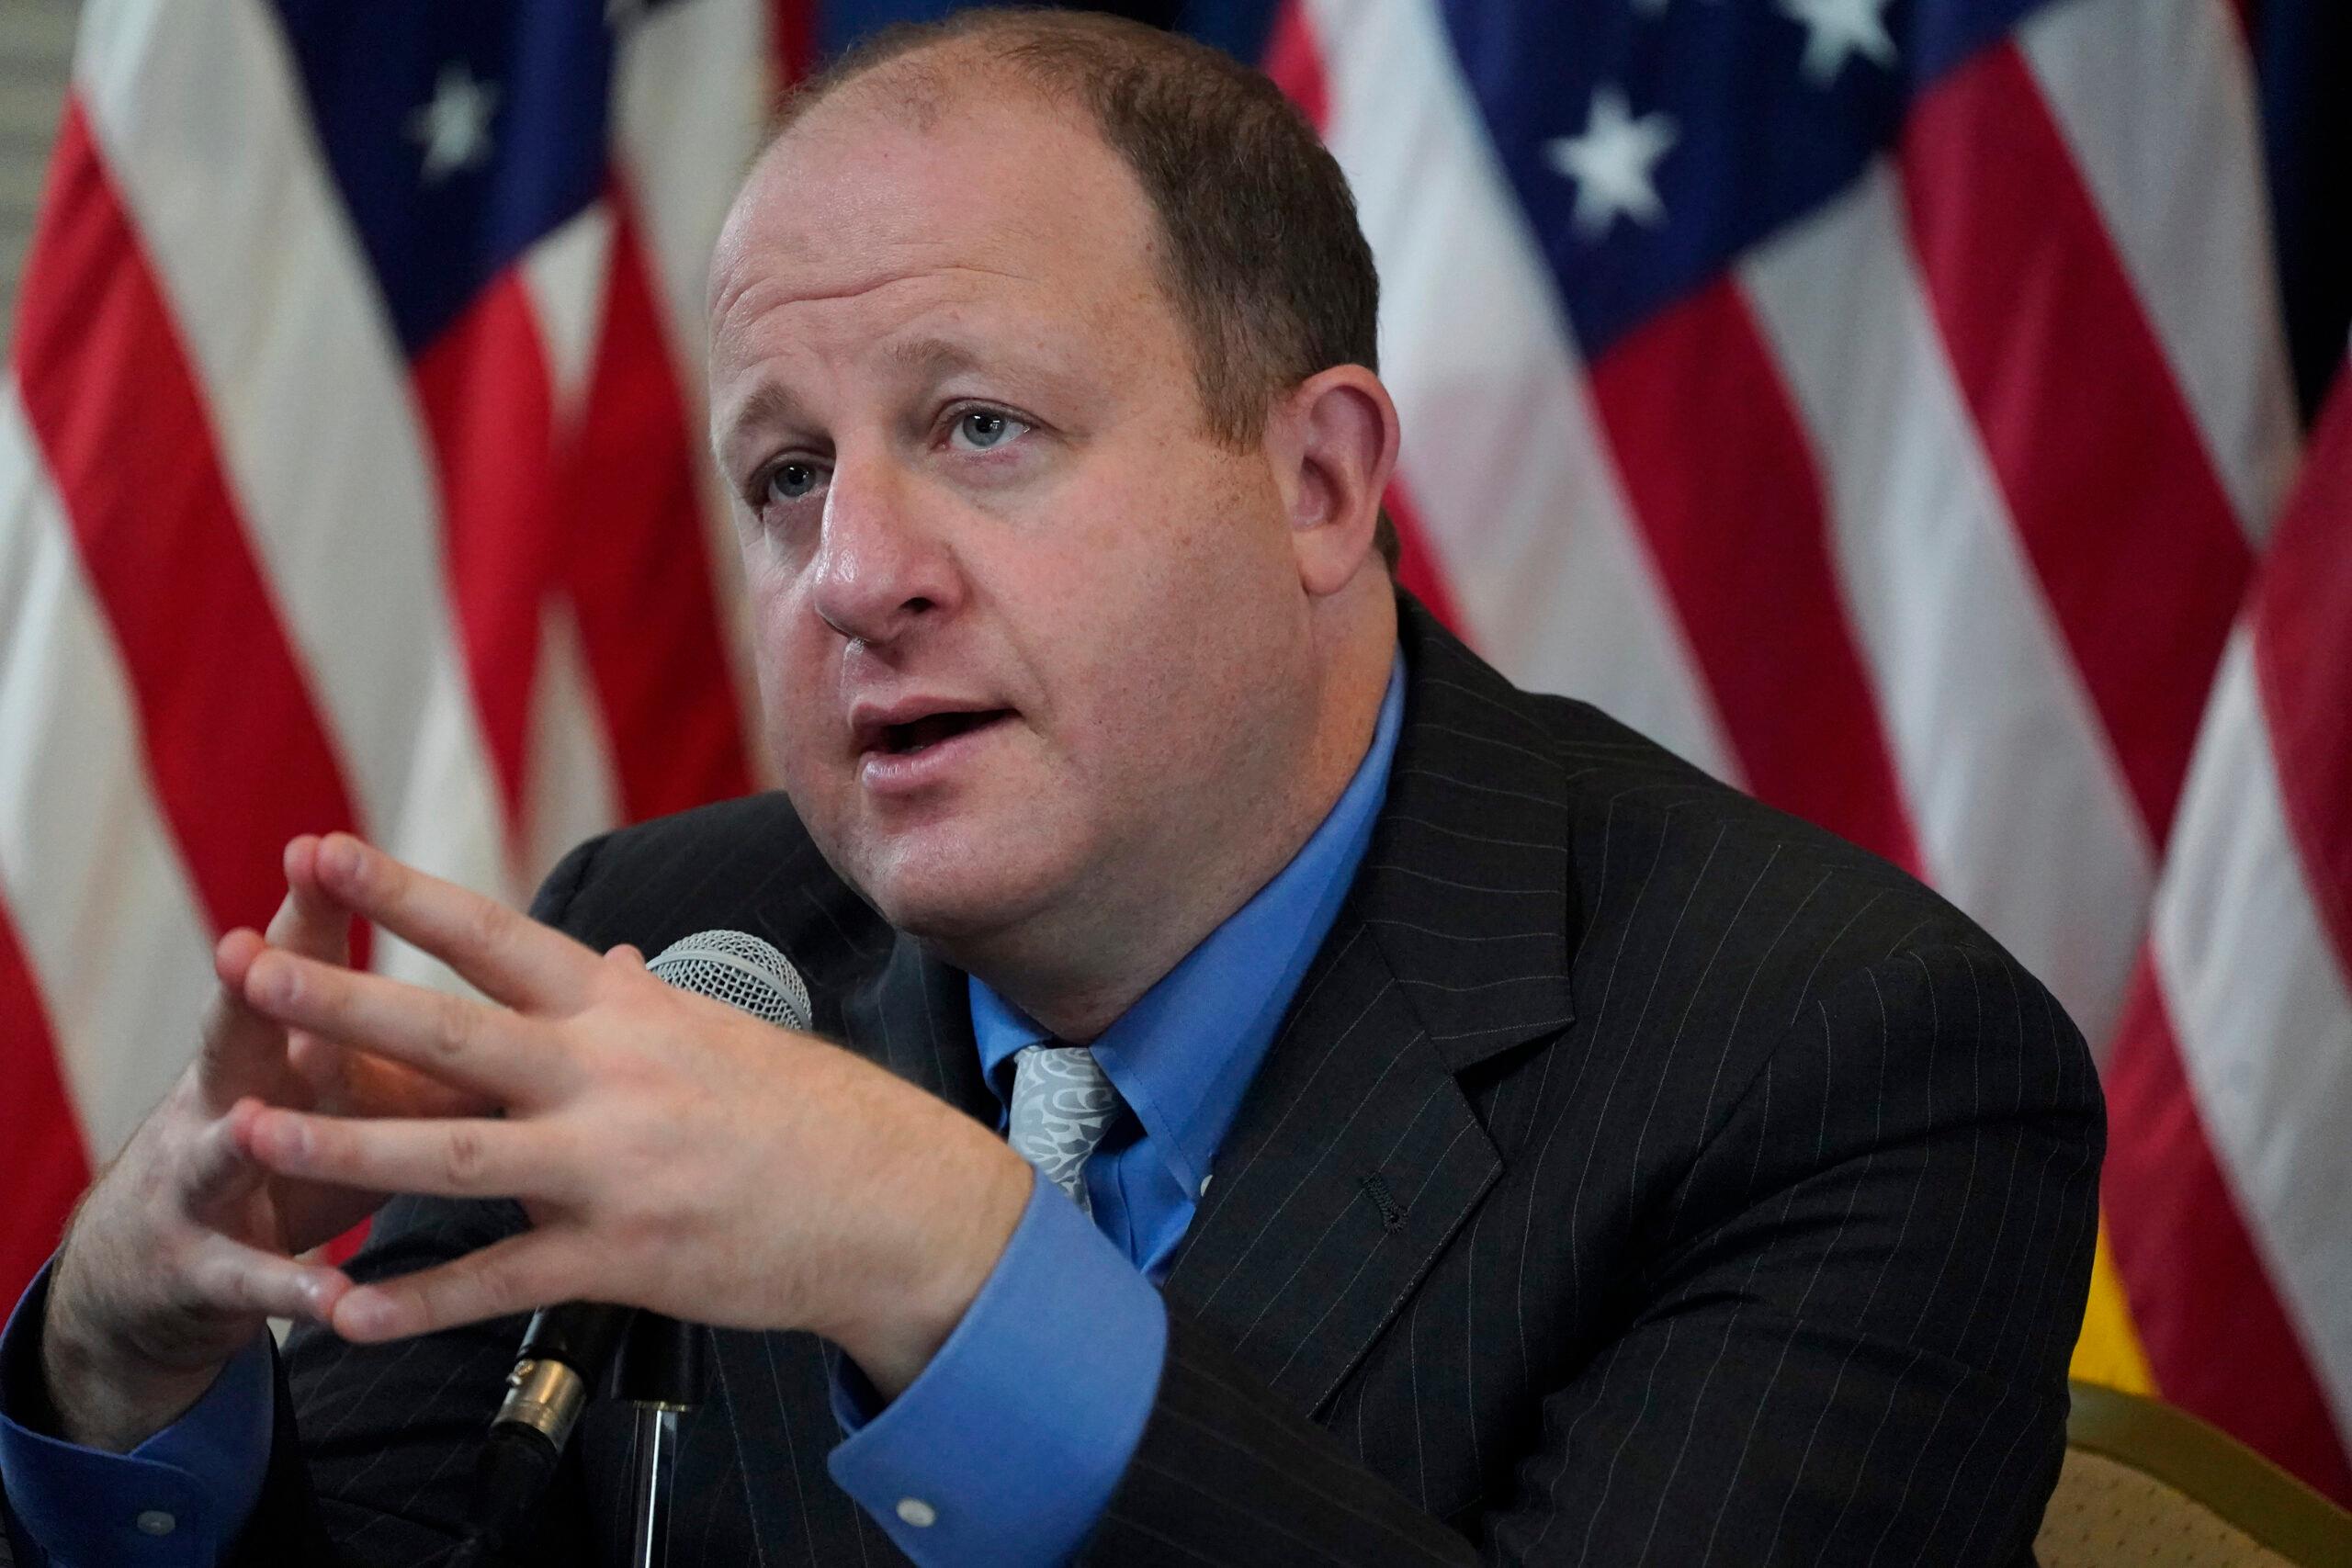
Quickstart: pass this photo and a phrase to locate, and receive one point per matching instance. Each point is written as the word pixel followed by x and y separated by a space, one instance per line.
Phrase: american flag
pixel 354 475
pixel 1890 405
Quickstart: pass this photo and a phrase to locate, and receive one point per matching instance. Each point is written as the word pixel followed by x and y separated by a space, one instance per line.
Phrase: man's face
pixel 1030 640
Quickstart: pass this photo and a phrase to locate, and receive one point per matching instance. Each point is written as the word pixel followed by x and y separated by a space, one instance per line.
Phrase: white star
pixel 1614 163
pixel 454 129
pixel 1836 30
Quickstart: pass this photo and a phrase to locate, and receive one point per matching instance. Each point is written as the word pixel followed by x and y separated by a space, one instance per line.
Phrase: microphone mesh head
pixel 740 970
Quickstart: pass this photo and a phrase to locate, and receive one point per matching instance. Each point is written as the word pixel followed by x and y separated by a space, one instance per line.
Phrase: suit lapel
pixel 913 1015
pixel 1356 1156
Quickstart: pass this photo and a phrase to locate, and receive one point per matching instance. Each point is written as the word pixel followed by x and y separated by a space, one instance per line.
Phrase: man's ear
pixel 1334 439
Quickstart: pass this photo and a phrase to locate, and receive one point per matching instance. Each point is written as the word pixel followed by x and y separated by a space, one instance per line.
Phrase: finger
pixel 518 1274
pixel 455 1038
pixel 219 1171
pixel 350 1082
pixel 512 958
pixel 222 1174
pixel 326 1068
pixel 470 1157
pixel 229 1276
pixel 309 922
pixel 238 1051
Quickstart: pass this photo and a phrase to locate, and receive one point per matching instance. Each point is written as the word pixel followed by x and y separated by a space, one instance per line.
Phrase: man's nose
pixel 881 565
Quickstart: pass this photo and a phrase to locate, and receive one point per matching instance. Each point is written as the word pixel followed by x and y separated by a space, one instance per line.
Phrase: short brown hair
pixel 1264 261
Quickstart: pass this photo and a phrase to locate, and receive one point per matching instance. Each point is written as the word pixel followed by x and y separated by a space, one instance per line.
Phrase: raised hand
pixel 673 1153
pixel 185 1245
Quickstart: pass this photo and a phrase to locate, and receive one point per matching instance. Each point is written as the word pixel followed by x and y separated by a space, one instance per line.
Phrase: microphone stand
pixel 566 1347
pixel 654 1363
pixel 660 1373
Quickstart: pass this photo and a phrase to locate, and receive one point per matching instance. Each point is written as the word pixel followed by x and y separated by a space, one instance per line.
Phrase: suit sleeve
pixel 1847 1345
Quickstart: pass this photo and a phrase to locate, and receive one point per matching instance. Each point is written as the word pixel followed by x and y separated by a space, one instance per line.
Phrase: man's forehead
pixel 861 183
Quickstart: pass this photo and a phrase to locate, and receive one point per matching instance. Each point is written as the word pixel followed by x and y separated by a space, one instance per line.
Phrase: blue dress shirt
pixel 179 1500
pixel 1007 1448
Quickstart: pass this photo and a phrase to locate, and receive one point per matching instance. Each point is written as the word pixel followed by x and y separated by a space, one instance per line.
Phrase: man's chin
pixel 951 904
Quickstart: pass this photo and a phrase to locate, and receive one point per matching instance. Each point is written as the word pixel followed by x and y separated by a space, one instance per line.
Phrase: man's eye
pixel 977 430
pixel 791 481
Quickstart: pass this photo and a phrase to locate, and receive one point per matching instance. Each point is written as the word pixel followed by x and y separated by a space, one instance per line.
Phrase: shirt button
pixel 918 1513
pixel 154 1522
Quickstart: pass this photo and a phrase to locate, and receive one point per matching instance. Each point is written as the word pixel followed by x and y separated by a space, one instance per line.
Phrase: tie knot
pixel 1062 1104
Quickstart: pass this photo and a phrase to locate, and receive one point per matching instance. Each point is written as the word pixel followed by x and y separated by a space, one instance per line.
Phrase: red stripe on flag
pixel 792 39
pixel 2217 1339
pixel 46 1165
pixel 2105 474
pixel 1727 495
pixel 490 412
pixel 633 558
pixel 2302 652
pixel 233 742
pixel 1296 64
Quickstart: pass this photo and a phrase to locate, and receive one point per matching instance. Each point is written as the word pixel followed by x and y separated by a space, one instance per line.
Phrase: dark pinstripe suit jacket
pixel 1640 1176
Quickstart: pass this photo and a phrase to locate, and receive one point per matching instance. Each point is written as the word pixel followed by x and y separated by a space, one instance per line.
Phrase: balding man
pixel 1279 1093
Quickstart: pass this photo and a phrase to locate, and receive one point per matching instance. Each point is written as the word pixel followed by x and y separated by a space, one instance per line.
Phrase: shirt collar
pixel 1183 1056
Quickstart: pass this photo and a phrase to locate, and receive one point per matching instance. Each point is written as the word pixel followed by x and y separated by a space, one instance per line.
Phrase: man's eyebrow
pixel 1020 363
pixel 933 357
pixel 924 359
pixel 765 404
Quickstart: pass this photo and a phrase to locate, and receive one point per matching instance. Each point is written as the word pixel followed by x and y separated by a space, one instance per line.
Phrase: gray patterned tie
pixel 1062 1104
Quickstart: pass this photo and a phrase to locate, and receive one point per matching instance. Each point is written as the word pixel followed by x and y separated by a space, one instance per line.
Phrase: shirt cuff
pixel 179 1500
pixel 1006 1450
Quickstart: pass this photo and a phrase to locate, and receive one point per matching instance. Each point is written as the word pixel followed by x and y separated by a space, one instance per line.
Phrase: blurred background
pixel 1914 411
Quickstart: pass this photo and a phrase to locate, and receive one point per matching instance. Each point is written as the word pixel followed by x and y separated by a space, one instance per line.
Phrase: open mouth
pixel 921 734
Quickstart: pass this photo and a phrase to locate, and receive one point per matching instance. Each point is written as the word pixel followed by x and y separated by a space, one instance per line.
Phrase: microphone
pixel 568 1345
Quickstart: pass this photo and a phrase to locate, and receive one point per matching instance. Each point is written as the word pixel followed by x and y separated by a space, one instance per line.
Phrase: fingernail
pixel 270 980
pixel 338 855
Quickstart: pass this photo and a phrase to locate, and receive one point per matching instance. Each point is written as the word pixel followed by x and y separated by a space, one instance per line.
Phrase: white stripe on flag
pixel 2155 98
pixel 573 789
pixel 691 98
pixel 570 787
pixel 110 923
pixel 2263 1017
pixel 2022 815
pixel 1502 455
pixel 205 131
pixel 563 277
